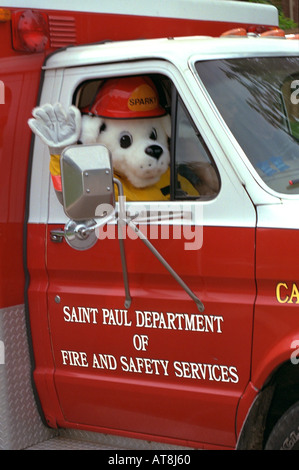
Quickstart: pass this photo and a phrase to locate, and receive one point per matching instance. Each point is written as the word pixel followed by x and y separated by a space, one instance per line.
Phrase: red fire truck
pixel 182 329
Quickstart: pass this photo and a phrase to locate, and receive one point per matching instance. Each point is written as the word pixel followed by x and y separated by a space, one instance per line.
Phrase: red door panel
pixel 160 366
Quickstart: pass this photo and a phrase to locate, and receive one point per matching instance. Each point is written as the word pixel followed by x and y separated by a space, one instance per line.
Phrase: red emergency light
pixel 5 15
pixel 260 31
pixel 30 31
pixel 235 32
pixel 275 32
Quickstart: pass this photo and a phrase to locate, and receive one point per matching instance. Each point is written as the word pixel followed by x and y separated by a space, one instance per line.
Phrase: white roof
pixel 211 10
pixel 177 50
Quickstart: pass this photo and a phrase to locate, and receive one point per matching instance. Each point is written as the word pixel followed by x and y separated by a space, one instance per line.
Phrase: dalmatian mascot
pixel 125 116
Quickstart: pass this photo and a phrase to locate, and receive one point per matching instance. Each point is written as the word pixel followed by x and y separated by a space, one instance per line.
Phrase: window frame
pixel 231 206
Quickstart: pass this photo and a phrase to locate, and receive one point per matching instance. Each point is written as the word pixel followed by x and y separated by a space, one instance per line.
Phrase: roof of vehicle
pixel 206 10
pixel 174 50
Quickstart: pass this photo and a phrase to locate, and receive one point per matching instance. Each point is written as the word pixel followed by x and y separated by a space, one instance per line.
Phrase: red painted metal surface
pixel 21 76
pixel 276 311
pixel 130 370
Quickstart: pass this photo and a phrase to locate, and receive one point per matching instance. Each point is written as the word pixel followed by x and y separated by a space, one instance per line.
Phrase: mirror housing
pixel 87 180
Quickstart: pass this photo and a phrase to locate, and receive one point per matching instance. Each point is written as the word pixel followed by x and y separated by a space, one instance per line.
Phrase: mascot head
pixel 127 117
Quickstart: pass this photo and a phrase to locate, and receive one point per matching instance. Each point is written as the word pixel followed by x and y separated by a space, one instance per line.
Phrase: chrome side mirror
pixel 87 180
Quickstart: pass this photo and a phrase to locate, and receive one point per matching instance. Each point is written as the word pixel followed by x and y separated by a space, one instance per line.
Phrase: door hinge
pixel 57 235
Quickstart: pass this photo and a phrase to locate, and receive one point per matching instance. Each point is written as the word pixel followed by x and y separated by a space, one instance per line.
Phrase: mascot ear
pixel 166 124
pixel 90 129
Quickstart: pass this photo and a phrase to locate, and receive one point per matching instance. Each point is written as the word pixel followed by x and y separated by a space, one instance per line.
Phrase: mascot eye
pixel 102 128
pixel 125 140
pixel 153 135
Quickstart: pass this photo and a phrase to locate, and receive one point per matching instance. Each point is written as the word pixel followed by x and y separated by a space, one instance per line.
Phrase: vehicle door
pixel 172 357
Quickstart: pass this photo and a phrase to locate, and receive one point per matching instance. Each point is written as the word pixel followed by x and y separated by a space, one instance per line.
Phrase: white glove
pixel 56 127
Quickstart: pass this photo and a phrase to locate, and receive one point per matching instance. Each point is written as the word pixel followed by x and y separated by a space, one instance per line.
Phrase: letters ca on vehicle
pixel 172 318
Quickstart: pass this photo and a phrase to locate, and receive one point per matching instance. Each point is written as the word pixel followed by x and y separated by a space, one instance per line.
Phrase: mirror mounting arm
pixel 155 252
pixel 121 244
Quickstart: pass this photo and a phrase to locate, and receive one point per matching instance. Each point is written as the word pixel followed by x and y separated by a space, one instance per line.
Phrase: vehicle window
pixel 257 99
pixel 156 151
pixel 193 161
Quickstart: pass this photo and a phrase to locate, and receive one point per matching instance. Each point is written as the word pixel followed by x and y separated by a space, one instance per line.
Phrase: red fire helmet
pixel 126 98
